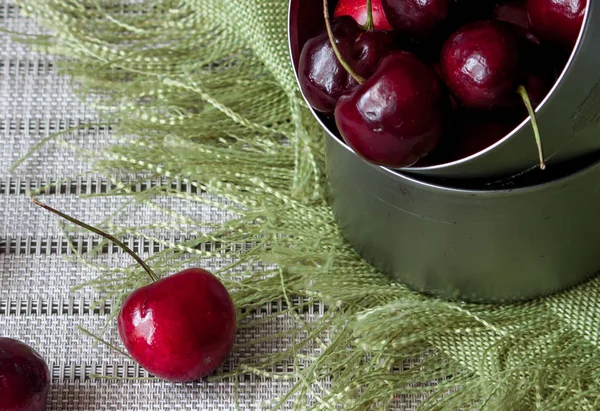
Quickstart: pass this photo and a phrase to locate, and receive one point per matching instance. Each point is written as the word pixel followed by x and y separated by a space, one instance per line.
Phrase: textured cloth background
pixel 36 304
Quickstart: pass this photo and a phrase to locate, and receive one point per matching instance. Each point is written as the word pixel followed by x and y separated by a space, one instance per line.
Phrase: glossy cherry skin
pixel 482 64
pixel 357 9
pixel 557 21
pixel 24 377
pixel 515 12
pixel 397 116
pixel 322 77
pixel 180 328
pixel 418 18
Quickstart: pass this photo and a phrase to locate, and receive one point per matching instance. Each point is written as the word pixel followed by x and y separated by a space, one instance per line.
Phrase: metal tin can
pixel 472 244
pixel 568 118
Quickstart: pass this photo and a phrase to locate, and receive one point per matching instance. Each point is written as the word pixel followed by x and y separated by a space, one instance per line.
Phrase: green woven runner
pixel 203 94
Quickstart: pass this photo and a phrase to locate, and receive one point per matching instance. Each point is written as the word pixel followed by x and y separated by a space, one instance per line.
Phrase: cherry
pixel 418 18
pixel 481 63
pixel 485 65
pixel 557 21
pixel 179 328
pixel 323 78
pixel 359 10
pixel 547 58
pixel 514 12
pixel 24 377
pixel 397 115
pixel 431 19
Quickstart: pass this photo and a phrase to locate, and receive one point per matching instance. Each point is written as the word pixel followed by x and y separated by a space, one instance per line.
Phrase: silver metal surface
pixel 480 246
pixel 569 117
pixel 477 245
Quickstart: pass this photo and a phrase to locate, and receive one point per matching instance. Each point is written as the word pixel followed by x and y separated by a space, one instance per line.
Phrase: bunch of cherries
pixel 423 82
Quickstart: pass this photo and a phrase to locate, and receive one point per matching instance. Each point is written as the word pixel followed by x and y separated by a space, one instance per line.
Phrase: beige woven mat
pixel 36 305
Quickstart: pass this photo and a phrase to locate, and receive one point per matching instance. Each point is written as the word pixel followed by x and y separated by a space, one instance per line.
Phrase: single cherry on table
pixel 179 328
pixel 24 377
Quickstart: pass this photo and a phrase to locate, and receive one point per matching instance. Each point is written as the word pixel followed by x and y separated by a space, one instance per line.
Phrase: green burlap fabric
pixel 203 94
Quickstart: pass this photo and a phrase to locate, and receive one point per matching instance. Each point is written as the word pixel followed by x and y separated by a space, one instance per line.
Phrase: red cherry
pixel 180 328
pixel 557 21
pixel 419 18
pixel 397 115
pixel 24 377
pixel 358 10
pixel 321 75
pixel 514 12
pixel 489 65
pixel 481 63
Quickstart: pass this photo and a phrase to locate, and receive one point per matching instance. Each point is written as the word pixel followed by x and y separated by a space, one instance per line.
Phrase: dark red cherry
pixel 482 64
pixel 397 115
pixel 418 18
pixel 322 77
pixel 357 9
pixel 558 21
pixel 514 12
pixel 431 19
pixel 24 377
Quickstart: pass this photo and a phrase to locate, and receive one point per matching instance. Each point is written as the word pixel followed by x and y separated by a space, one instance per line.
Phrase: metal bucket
pixel 569 116
pixel 472 244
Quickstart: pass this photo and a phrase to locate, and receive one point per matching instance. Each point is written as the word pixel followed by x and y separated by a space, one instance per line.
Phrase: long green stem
pixel 369 25
pixel 536 132
pixel 336 51
pixel 128 250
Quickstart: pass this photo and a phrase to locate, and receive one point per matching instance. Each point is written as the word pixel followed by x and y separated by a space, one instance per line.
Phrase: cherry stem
pixel 336 51
pixel 128 250
pixel 536 132
pixel 369 25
